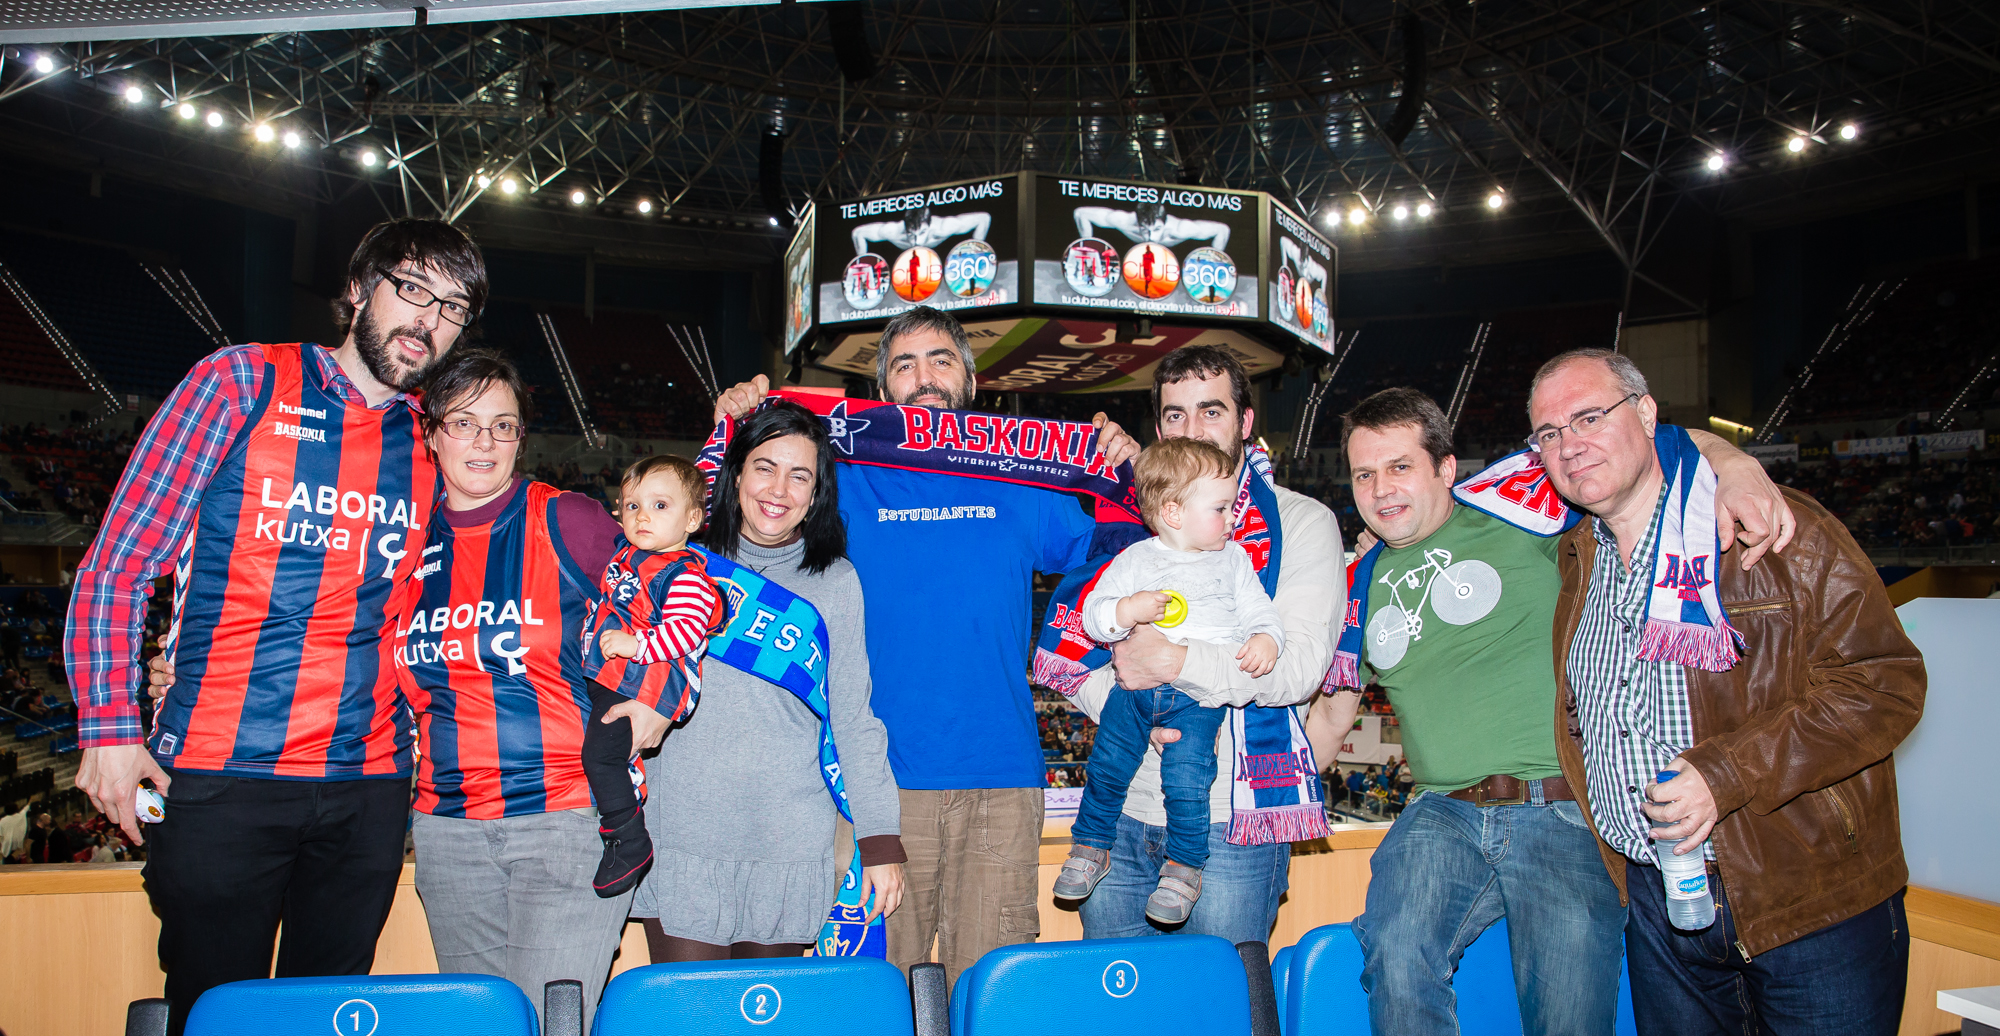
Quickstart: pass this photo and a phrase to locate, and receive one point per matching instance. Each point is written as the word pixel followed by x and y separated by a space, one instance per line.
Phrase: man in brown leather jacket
pixel 1783 758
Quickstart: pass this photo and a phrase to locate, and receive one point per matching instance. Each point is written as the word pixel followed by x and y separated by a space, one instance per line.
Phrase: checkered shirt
pixel 148 520
pixel 1634 713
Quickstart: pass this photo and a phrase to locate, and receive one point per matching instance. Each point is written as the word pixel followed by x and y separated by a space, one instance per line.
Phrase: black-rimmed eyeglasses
pixel 417 295
pixel 1584 425
pixel 466 428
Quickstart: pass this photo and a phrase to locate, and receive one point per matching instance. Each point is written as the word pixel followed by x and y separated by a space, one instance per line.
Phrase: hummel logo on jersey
pixel 301 411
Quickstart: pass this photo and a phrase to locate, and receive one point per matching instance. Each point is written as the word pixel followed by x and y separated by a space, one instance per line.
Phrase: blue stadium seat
pixel 365 1005
pixel 809 995
pixel 1323 996
pixel 1186 983
pixel 1281 967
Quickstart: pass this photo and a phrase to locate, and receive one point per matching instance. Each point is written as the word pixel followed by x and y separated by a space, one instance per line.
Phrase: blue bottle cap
pixel 1666 775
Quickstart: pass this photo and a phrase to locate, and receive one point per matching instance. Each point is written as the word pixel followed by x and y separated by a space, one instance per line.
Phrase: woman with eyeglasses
pixel 488 649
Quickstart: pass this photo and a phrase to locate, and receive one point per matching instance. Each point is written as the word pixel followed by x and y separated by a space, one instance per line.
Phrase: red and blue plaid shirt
pixel 148 520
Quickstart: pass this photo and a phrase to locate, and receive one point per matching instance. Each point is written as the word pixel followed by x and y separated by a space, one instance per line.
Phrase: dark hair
pixel 924 318
pixel 1395 407
pixel 824 531
pixel 1201 362
pixel 681 468
pixel 462 376
pixel 426 242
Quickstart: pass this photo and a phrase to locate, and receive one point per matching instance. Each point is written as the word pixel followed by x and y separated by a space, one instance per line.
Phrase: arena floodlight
pixel 508 186
pixel 265 134
pixel 774 221
pixel 577 197
pixel 1849 131
pixel 215 120
pixel 485 182
pixel 1357 215
pixel 646 208
pixel 1424 210
pixel 291 139
pixel 1717 161
pixel 134 95
pixel 1496 200
pixel 1401 212
pixel 187 111
pixel 368 158
pixel 1796 145
pixel 44 64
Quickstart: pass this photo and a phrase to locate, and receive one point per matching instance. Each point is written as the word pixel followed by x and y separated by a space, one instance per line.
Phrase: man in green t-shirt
pixel 1459 611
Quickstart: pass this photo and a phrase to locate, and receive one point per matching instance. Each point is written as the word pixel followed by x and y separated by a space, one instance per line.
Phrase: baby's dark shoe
pixel 628 855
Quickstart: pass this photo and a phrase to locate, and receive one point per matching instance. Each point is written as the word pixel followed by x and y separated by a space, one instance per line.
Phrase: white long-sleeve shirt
pixel 1311 597
pixel 1226 603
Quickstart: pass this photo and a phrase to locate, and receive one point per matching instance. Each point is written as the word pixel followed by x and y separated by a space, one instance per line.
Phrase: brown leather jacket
pixel 1794 741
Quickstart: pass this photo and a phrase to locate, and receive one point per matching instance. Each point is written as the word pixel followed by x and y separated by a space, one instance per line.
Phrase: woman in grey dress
pixel 749 848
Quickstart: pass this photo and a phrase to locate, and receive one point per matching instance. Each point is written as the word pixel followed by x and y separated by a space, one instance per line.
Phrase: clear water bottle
pixel 1689 905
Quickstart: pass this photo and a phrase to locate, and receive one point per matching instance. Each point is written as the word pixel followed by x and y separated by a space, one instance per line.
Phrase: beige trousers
pixel 974 855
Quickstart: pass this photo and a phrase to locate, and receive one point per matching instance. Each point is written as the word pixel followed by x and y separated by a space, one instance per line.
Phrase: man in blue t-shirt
pixel 947 565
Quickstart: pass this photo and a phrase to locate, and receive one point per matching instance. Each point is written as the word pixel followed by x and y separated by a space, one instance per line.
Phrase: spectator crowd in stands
pixel 72 470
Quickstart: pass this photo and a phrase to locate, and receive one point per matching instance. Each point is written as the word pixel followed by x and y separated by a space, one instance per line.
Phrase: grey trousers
pixel 512 898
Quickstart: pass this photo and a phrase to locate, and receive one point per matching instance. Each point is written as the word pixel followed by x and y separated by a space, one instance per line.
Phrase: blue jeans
pixel 1449 869
pixel 1187 768
pixel 1240 887
pixel 1847 977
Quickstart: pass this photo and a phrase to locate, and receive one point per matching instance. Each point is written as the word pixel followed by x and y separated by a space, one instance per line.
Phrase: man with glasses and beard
pixel 946 565
pixel 285 487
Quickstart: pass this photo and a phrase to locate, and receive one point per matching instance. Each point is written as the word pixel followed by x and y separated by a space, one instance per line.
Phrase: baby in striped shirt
pixel 643 641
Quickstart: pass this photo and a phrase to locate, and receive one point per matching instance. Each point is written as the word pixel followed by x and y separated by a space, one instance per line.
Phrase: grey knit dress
pixel 742 825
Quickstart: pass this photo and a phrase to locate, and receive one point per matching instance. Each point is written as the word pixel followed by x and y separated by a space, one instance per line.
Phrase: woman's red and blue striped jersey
pixel 639 593
pixel 489 652
pixel 283 586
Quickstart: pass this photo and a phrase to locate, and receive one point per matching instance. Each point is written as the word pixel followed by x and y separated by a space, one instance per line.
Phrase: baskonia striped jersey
pixel 283 584
pixel 489 651
pixel 670 604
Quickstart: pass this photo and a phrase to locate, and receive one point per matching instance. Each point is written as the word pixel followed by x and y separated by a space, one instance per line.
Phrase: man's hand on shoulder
pixel 1745 494
pixel 742 398
pixel 1112 441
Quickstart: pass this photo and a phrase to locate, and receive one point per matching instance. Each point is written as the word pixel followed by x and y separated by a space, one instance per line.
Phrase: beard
pixel 958 400
pixel 383 360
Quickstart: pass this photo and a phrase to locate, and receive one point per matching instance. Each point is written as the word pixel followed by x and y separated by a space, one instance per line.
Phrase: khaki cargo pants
pixel 974 855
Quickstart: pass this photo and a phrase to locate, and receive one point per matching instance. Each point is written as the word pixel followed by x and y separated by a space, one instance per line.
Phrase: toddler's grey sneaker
pixel 1174 899
pixel 1085 867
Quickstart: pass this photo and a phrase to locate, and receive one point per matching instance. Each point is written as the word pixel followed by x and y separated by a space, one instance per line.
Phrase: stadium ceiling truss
pixel 1590 118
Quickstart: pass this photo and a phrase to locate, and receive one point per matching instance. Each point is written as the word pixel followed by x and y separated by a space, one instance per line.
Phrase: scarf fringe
pixel 1063 675
pixel 1273 824
pixel 1683 643
pixel 1345 672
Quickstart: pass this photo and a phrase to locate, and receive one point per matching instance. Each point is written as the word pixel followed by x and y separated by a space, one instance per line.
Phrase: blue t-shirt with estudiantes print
pixel 946 566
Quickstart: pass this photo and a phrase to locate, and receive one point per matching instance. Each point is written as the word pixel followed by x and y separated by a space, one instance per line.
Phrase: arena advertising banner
pixel 1769 455
pixel 1150 249
pixel 1038 354
pixel 799 284
pixel 952 246
pixel 1303 266
pixel 1899 445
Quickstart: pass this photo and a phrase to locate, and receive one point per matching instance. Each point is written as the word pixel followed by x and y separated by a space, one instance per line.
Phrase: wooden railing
pixel 79 940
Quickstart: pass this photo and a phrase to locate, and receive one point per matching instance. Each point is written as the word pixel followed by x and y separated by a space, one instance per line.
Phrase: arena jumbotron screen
pixel 1079 284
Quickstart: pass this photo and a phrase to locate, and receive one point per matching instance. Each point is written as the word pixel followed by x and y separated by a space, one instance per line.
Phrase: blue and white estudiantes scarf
pixel 1685 622
pixel 1275 791
pixel 780 637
